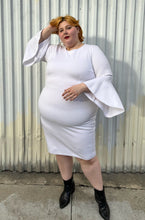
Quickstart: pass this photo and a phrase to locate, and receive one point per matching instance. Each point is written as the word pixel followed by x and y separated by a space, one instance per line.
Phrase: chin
pixel 68 44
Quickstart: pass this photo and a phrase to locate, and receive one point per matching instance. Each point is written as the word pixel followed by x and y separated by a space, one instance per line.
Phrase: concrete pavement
pixel 34 196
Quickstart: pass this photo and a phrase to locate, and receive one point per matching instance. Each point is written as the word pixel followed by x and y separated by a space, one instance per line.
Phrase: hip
pixel 53 107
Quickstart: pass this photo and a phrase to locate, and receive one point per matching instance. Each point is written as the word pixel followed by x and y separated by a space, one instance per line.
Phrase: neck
pixel 75 46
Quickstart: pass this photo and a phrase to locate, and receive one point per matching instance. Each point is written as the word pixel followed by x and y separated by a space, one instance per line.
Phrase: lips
pixel 66 37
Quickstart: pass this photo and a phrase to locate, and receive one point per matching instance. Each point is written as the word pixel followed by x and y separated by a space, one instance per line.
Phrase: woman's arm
pixel 37 46
pixel 46 32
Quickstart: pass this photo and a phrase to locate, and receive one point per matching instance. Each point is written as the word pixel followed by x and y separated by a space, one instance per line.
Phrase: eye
pixel 61 30
pixel 69 27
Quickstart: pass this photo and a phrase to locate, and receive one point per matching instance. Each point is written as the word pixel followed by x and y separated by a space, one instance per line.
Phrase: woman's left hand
pixel 74 91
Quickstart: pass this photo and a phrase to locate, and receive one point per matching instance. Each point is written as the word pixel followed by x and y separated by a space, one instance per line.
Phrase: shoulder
pixel 54 49
pixel 95 49
pixel 99 59
pixel 97 53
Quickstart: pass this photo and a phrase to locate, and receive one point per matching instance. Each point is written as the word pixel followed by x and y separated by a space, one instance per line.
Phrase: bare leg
pixel 92 170
pixel 65 164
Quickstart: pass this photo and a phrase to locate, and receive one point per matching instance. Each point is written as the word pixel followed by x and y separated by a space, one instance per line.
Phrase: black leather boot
pixel 69 188
pixel 102 203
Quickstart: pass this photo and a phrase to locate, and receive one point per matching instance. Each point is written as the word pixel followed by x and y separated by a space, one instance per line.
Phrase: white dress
pixel 69 126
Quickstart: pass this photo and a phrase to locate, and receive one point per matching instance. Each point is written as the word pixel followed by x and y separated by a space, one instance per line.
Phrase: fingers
pixel 69 95
pixel 66 91
pixel 72 92
pixel 53 29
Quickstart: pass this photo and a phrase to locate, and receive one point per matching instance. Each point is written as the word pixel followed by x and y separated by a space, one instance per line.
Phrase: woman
pixel 78 81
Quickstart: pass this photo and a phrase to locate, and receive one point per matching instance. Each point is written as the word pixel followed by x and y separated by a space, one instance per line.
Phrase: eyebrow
pixel 65 26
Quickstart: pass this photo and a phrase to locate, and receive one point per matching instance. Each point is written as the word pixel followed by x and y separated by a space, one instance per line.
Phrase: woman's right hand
pixel 52 29
pixel 46 32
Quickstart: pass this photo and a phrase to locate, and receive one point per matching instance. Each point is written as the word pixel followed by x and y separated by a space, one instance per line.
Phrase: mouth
pixel 66 37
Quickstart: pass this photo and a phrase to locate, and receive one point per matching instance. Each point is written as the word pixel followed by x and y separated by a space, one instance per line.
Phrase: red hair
pixel 71 20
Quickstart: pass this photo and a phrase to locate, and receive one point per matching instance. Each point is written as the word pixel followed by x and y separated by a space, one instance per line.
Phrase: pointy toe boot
pixel 69 188
pixel 102 203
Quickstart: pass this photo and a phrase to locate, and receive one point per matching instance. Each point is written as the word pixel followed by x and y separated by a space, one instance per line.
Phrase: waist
pixel 60 83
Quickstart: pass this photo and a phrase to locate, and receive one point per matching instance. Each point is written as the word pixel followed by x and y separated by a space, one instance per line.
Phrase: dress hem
pixel 70 155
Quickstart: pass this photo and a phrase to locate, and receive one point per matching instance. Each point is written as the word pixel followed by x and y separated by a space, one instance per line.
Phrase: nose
pixel 65 31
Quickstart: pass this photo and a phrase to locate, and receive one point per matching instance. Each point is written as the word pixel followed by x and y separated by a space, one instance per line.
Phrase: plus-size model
pixel 78 82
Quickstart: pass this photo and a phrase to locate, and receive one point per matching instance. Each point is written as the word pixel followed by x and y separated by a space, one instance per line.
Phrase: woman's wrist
pixel 84 88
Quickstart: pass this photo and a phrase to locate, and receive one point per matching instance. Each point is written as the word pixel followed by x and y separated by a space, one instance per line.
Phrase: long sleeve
pixel 102 91
pixel 35 52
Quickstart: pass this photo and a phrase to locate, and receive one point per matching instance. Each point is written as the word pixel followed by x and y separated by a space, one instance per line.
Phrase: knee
pixel 90 162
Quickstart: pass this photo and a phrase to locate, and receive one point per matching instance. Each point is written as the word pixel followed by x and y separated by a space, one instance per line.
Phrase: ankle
pixel 100 188
pixel 68 182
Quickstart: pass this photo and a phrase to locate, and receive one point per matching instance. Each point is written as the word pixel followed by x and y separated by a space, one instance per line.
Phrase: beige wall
pixel 118 28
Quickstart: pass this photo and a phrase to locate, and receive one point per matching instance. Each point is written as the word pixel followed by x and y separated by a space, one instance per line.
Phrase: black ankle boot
pixel 69 188
pixel 102 203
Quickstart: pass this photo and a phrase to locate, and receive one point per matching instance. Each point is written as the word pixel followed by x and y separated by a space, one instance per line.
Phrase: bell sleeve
pixel 35 51
pixel 102 91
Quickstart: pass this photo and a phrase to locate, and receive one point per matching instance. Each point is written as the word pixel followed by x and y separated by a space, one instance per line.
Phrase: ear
pixel 78 29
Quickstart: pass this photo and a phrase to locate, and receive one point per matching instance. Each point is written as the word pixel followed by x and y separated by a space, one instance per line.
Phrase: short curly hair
pixel 71 20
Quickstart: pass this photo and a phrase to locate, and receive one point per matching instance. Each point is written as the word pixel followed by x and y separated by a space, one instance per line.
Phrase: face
pixel 68 34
